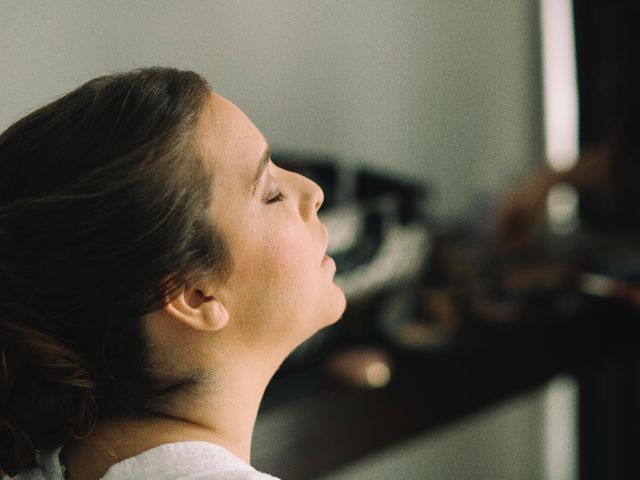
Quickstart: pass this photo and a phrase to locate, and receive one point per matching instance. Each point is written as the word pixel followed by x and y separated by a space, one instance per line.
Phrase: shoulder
pixel 232 476
pixel 195 460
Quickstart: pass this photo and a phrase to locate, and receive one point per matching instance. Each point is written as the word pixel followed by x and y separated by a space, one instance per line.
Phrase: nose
pixel 311 199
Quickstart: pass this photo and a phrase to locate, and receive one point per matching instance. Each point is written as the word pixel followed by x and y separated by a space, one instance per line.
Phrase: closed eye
pixel 277 197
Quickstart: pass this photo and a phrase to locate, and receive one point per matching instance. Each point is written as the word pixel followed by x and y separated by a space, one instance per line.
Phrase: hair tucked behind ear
pixel 104 215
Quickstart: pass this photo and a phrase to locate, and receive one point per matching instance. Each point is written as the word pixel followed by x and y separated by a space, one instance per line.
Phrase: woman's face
pixel 281 288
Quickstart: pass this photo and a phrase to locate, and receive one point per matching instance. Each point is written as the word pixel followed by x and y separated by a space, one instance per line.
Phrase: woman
pixel 155 270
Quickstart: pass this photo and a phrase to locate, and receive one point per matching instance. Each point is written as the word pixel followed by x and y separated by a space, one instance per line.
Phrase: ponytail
pixel 46 393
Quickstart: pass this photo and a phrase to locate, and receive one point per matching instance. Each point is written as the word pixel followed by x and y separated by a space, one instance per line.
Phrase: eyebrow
pixel 262 165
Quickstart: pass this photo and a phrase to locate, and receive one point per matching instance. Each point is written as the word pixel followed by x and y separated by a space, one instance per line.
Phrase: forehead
pixel 229 140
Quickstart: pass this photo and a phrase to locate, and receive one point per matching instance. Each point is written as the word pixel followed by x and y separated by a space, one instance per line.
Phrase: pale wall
pixel 443 91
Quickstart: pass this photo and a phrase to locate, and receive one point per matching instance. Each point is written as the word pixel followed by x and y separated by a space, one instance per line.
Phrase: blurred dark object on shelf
pixel 378 236
pixel 415 289
pixel 378 232
pixel 615 273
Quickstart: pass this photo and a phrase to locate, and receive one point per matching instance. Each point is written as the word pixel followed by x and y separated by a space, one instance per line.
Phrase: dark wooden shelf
pixel 314 433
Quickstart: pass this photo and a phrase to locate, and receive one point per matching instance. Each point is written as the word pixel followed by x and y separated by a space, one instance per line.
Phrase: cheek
pixel 287 256
pixel 277 273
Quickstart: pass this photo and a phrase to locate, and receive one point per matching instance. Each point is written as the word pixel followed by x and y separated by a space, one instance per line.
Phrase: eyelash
pixel 277 198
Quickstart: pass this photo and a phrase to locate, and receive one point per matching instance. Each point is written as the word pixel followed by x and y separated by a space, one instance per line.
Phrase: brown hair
pixel 104 216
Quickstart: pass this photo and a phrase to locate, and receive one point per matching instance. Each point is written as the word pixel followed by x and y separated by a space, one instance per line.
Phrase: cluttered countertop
pixel 440 324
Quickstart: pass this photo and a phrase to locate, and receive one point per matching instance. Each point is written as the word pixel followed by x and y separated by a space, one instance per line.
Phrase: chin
pixel 342 303
pixel 336 306
pixel 326 312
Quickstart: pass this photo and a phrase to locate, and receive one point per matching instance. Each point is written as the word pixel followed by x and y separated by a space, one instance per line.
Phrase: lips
pixel 326 241
pixel 327 261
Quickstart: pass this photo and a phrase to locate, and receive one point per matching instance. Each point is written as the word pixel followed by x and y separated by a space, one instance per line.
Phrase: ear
pixel 198 310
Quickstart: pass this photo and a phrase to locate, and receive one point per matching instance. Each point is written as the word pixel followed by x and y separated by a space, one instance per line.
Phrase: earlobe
pixel 219 315
pixel 198 311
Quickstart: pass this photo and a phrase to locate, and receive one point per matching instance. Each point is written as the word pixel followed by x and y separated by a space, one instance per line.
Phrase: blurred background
pixel 444 92
pixel 442 99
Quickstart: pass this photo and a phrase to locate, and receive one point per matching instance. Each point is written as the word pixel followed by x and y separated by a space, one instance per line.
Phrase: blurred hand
pixel 521 212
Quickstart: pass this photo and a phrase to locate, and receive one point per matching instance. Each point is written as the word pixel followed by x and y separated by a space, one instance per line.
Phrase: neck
pixel 223 412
